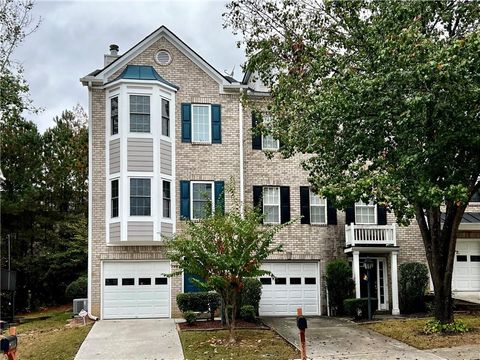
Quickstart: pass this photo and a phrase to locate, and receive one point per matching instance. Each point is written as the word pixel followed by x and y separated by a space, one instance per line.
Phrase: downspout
pixel 240 125
pixel 90 215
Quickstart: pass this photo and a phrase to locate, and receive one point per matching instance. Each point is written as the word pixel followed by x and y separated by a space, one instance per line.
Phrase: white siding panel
pixel 114 156
pixel 140 230
pixel 165 157
pixel 114 232
pixel 140 154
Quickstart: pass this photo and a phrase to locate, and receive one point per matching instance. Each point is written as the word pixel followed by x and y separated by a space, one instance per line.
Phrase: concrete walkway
pixel 329 338
pixel 132 340
pixel 465 352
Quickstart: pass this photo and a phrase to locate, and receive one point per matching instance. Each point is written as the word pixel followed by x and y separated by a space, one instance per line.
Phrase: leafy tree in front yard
pixel 224 250
pixel 385 97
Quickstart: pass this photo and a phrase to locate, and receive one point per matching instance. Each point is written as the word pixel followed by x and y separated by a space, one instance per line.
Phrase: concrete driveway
pixel 132 340
pixel 329 338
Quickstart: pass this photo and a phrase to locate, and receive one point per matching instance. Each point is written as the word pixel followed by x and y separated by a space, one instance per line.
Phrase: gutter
pixel 242 185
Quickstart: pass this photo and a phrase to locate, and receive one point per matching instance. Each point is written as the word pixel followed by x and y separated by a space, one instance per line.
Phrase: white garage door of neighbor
pixel 466 270
pixel 136 290
pixel 295 285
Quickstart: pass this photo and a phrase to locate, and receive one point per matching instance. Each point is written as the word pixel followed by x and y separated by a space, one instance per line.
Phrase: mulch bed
pixel 217 325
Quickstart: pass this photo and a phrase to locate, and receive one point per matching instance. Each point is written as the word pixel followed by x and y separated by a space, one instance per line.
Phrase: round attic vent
pixel 163 57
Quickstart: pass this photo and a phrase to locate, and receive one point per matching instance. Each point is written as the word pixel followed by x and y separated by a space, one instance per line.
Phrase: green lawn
pixel 50 338
pixel 410 331
pixel 251 344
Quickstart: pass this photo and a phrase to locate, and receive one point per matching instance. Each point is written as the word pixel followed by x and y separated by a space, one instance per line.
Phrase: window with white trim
pixel 140 193
pixel 114 115
pixel 365 213
pixel 268 141
pixel 201 124
pixel 318 209
pixel 166 199
pixel 271 205
pixel 114 198
pixel 202 199
pixel 165 117
pixel 139 113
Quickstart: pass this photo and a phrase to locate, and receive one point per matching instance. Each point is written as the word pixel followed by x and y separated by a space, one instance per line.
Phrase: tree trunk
pixel 440 239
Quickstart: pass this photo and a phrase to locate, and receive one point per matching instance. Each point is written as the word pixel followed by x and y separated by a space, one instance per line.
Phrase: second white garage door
pixel 136 290
pixel 295 285
pixel 466 269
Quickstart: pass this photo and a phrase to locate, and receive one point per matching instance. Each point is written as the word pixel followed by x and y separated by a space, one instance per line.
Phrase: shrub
pixel 412 285
pixel 190 317
pixel 77 289
pixel 251 293
pixel 199 302
pixel 358 308
pixel 456 327
pixel 247 313
pixel 339 283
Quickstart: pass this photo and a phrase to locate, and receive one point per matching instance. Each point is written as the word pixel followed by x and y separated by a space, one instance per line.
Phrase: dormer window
pixel 139 114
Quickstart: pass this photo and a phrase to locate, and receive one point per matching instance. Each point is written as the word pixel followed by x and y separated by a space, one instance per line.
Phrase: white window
pixel 139 113
pixel 268 141
pixel 167 200
pixel 365 213
pixel 140 197
pixel 201 124
pixel 271 205
pixel 318 209
pixel 201 199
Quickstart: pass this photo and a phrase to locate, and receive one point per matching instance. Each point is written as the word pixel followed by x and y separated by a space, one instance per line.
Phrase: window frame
pixel 112 133
pixel 192 183
pixel 112 199
pixel 279 205
pixel 266 120
pixel 167 118
pixel 130 196
pixel 311 193
pixel 361 204
pixel 169 199
pixel 209 107
pixel 138 113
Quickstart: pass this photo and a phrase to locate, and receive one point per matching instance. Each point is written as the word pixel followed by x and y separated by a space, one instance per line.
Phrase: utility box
pixel 79 304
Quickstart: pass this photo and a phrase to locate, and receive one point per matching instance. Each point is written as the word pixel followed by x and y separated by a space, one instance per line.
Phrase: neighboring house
pixel 165 129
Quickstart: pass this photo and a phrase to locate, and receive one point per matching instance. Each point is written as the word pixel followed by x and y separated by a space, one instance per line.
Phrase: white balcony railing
pixel 370 235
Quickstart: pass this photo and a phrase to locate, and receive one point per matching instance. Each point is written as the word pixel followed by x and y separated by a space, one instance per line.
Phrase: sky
pixel 74 35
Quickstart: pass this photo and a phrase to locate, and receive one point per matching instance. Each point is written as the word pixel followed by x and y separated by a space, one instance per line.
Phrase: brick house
pixel 165 129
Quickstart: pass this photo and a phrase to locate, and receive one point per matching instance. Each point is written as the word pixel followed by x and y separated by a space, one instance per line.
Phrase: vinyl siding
pixel 167 229
pixel 114 156
pixel 140 231
pixel 140 155
pixel 114 232
pixel 165 157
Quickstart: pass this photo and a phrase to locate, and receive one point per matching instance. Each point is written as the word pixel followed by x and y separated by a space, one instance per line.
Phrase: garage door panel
pixel 136 301
pixel 284 299
pixel 466 273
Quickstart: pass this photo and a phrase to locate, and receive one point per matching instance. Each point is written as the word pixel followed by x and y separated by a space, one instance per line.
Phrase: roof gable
pixel 162 31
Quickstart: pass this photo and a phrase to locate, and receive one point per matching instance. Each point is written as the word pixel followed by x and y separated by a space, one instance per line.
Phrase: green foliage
pixel 339 283
pixel 190 317
pixel 248 313
pixel 77 289
pixel 383 96
pixel 435 326
pixel 224 250
pixel 251 293
pixel 413 282
pixel 199 302
pixel 358 308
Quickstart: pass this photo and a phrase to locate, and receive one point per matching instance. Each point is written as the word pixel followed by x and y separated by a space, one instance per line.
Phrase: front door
pixel 378 282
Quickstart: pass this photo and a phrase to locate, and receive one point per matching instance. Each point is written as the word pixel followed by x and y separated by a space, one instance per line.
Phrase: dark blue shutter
pixel 381 215
pixel 350 215
pixel 257 198
pixel 256 137
pixel 284 204
pixel 188 286
pixel 475 197
pixel 186 122
pixel 331 213
pixel 216 124
pixel 305 204
pixel 185 199
pixel 220 196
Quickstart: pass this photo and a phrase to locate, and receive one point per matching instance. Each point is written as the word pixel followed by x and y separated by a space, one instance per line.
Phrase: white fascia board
pixel 147 42
pixel 139 82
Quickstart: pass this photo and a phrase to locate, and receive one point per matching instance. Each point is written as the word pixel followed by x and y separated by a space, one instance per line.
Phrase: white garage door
pixel 295 285
pixel 136 290
pixel 466 270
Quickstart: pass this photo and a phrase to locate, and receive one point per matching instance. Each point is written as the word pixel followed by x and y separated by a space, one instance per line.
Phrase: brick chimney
pixel 109 58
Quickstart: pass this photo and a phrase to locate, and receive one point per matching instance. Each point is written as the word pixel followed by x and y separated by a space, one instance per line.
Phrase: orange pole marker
pixel 12 354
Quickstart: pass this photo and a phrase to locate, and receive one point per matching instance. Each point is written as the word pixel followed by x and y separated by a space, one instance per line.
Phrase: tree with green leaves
pixel 385 96
pixel 222 250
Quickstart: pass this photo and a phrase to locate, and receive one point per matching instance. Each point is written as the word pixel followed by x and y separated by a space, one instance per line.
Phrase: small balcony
pixel 370 235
